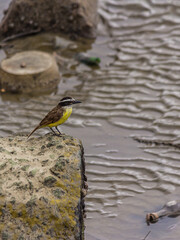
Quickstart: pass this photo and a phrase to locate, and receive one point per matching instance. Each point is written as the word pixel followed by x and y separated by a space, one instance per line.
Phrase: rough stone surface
pixel 73 17
pixel 41 182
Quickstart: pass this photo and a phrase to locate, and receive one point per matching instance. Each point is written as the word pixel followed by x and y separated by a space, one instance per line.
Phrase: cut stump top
pixel 29 71
pixel 28 62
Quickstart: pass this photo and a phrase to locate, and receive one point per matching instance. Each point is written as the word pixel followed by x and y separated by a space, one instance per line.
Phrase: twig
pixel 146 236
pixel 19 35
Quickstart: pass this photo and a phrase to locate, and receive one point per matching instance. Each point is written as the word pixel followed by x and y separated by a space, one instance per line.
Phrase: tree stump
pixel 29 71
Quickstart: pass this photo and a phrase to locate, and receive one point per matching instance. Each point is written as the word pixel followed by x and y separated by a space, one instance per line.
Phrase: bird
pixel 57 116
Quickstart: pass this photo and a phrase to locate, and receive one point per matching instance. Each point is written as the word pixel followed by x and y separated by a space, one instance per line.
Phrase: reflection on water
pixel 134 93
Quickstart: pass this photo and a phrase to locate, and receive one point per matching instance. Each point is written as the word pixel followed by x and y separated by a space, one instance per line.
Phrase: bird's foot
pixel 56 133
pixel 59 133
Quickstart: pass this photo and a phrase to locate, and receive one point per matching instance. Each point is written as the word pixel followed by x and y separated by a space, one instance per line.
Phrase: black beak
pixel 76 101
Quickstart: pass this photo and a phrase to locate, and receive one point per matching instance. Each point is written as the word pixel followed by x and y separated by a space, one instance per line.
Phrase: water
pixel 135 93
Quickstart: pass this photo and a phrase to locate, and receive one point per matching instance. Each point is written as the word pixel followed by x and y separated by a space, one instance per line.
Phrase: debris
pixel 170 209
pixel 146 236
pixel 87 59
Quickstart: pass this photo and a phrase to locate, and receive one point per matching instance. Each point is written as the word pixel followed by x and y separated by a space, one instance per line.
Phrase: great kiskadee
pixel 57 115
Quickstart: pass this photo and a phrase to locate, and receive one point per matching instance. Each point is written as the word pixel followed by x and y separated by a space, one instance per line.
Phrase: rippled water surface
pixel 134 94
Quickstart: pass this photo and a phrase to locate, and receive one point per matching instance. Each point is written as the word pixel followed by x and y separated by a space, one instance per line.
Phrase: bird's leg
pixel 58 131
pixel 54 132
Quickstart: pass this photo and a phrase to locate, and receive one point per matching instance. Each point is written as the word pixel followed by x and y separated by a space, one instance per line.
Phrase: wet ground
pixel 135 93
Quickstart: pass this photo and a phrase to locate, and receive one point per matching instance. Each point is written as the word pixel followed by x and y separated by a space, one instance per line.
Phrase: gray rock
pixel 41 188
pixel 72 17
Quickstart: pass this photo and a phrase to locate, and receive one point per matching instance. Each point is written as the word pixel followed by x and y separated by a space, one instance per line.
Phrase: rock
pixel 29 71
pixel 72 17
pixel 42 180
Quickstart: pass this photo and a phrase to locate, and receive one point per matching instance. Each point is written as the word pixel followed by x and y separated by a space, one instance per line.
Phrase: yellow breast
pixel 66 115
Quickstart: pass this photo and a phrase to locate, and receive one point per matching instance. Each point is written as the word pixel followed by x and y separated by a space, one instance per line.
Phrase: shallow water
pixel 135 93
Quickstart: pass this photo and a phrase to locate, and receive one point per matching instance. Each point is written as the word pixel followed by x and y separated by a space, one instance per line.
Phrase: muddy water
pixel 135 93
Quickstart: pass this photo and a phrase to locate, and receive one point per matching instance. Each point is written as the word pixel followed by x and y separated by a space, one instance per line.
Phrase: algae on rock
pixel 41 188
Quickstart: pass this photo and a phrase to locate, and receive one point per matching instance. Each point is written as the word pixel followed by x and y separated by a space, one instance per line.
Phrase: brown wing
pixel 53 116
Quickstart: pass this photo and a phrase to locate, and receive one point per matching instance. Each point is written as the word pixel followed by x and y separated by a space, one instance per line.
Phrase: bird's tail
pixel 32 131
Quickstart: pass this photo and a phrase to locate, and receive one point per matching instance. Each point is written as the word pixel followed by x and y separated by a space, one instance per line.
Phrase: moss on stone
pixel 40 193
pixel 33 172
pixel 58 193
pixel 3 165
pixel 22 160
pixel 49 181
pixel 25 167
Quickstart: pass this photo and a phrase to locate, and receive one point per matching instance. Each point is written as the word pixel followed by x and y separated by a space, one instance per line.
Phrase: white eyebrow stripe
pixel 68 100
